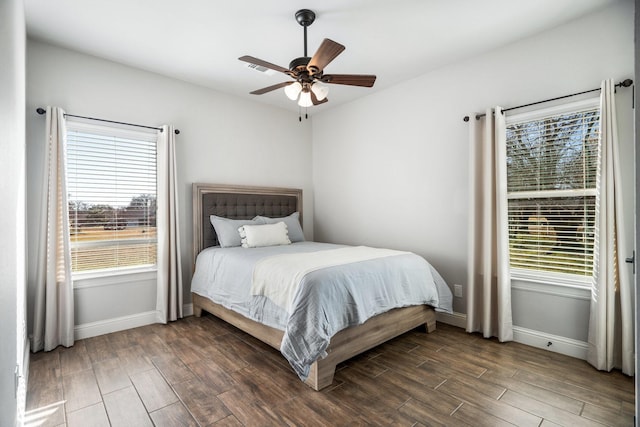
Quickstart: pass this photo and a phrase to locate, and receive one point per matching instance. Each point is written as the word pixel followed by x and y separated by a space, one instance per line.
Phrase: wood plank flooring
pixel 204 372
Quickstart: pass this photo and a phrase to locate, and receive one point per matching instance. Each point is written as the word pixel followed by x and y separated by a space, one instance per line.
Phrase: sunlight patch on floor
pixel 39 416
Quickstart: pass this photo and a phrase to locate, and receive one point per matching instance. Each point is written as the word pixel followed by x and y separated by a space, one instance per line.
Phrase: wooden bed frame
pixel 244 202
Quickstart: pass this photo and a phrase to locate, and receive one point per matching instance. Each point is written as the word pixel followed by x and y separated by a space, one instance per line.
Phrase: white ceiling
pixel 199 41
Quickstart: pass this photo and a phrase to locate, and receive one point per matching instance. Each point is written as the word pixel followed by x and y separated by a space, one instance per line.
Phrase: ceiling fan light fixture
pixel 293 90
pixel 320 90
pixel 305 99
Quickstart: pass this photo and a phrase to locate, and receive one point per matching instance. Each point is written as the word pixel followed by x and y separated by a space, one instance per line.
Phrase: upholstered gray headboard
pixel 237 202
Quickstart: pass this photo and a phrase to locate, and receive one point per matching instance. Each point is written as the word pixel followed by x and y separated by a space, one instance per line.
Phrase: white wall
pixel 223 139
pixel 400 155
pixel 12 214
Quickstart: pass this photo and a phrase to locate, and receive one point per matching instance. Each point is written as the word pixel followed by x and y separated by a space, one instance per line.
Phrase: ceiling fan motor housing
pixel 299 65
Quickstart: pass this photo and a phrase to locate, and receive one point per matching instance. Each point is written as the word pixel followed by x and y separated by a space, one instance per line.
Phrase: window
pixel 552 162
pixel 111 177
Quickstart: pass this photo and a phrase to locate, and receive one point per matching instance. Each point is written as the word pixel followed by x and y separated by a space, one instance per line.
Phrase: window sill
pixel 564 285
pixel 111 277
pixel 557 279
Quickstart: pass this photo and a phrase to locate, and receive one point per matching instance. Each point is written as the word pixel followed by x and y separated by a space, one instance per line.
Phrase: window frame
pixel 122 131
pixel 541 276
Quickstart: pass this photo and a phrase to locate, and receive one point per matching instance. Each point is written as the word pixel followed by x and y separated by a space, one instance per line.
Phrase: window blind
pixel 552 162
pixel 111 176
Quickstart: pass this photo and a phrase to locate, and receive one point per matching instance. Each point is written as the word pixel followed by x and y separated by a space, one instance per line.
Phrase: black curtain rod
pixel 42 111
pixel 624 83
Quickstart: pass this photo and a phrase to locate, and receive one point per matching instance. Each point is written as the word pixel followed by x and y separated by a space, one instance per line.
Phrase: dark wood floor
pixel 202 372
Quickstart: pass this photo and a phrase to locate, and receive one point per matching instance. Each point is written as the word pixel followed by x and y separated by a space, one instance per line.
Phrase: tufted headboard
pixel 237 202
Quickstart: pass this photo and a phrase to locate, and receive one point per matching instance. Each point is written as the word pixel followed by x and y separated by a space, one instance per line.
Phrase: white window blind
pixel 552 161
pixel 111 176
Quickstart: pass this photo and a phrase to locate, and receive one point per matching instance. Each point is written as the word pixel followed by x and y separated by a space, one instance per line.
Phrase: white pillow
pixel 293 225
pixel 255 236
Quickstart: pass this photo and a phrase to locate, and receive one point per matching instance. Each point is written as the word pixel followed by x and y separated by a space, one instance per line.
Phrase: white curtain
pixel 53 310
pixel 611 328
pixel 169 296
pixel 488 278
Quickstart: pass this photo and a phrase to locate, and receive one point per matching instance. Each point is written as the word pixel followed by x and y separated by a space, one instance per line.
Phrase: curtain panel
pixel 53 308
pixel 611 320
pixel 488 277
pixel 169 275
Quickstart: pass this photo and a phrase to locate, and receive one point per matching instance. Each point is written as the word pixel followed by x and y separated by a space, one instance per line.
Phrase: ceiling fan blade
pixel 315 101
pixel 365 80
pixel 270 88
pixel 326 53
pixel 256 61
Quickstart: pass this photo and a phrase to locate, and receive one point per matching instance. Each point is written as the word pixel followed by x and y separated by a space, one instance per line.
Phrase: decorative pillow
pixel 293 225
pixel 255 236
pixel 227 229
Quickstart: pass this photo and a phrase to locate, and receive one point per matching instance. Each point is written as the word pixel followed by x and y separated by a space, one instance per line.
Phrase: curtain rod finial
pixel 466 118
pixel 626 83
pixel 40 110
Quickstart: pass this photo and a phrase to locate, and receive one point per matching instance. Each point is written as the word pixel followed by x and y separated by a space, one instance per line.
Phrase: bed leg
pixel 321 374
pixel 431 322
pixel 431 326
pixel 197 311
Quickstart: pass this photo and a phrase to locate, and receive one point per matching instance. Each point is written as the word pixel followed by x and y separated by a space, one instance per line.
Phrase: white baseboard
pixel 562 345
pixel 101 327
pixel 23 381
pixel 187 310
pixel 454 319
pixel 26 358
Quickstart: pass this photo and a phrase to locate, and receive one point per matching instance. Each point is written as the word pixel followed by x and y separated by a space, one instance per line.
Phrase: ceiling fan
pixel 308 85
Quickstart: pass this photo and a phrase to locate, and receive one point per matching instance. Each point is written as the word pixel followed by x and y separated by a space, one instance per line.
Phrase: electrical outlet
pixel 457 291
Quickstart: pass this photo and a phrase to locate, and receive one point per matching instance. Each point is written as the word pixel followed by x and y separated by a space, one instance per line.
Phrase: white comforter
pixel 278 277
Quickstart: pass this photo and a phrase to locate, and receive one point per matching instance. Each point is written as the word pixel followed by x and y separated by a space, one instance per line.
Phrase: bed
pixel 246 202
